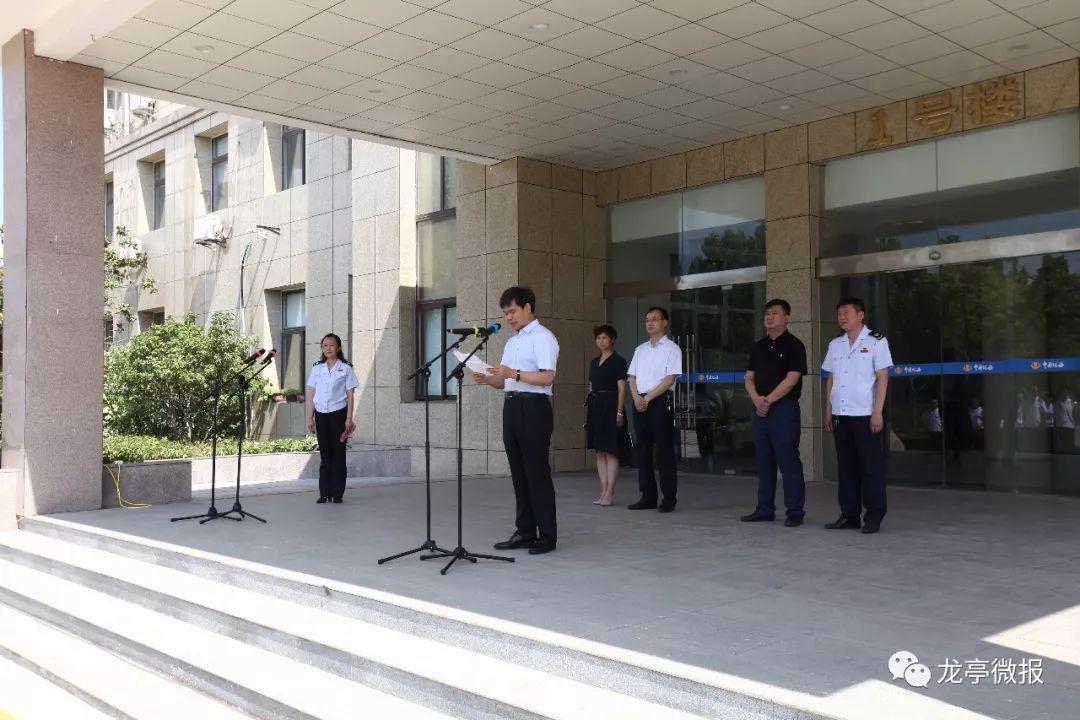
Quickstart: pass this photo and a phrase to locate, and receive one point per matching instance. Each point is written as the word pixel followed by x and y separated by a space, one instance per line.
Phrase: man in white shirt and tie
pixel 653 370
pixel 527 373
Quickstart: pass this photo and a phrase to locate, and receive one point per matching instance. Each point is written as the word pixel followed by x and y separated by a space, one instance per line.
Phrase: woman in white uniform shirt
pixel 331 390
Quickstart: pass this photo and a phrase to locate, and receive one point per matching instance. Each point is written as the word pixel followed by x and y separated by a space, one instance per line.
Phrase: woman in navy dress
pixel 606 400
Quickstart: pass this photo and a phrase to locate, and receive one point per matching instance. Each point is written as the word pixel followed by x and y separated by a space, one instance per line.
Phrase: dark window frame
pixel 286 331
pixel 158 219
pixel 110 199
pixel 422 306
pixel 446 209
pixel 215 161
pixel 298 135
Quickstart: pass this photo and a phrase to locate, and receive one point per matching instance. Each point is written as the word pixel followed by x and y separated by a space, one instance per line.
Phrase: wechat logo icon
pixel 904 665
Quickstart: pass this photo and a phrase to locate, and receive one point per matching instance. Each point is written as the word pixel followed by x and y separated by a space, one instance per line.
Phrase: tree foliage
pixel 158 383
pixel 125 268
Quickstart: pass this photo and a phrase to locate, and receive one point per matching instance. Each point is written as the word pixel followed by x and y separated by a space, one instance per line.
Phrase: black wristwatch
pixel 518 376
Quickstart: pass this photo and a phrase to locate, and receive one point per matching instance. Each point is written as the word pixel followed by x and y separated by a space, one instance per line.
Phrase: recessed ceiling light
pixel 1017 48
pixel 785 107
pixel 538 26
pixel 677 71
pixel 204 48
pixel 512 123
pixel 374 91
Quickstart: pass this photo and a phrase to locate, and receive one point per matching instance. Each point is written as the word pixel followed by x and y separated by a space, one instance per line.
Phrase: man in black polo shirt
pixel 774 383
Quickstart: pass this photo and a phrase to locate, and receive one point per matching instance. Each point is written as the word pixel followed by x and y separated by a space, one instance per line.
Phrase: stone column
pixel 526 222
pixel 54 279
pixel 792 216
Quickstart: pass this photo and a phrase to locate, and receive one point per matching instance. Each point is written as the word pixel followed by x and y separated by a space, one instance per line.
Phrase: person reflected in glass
pixel 606 416
pixel 331 393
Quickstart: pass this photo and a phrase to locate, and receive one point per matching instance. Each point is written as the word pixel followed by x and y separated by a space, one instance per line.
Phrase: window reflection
pixel 718 227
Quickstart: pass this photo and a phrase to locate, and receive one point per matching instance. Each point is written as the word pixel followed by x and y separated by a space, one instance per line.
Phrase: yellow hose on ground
pixel 123 503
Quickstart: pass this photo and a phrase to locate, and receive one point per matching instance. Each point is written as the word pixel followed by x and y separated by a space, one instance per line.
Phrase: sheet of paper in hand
pixel 474 364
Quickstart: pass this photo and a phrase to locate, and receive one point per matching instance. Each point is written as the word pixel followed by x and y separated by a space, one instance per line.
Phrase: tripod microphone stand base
pixel 428 545
pixel 211 514
pixel 460 553
pixel 236 509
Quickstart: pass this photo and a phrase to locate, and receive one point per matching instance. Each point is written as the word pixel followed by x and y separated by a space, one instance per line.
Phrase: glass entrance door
pixel 715 327
pixel 988 367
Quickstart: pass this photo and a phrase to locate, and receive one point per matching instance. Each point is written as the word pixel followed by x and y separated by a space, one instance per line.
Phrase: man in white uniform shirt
pixel 527 373
pixel 656 364
pixel 858 363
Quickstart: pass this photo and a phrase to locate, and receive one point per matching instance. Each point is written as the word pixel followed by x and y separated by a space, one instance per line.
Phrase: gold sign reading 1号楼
pixel 879 137
pixel 994 101
pixel 932 115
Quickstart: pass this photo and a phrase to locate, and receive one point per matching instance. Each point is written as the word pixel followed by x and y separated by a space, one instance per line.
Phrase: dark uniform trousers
pixel 527 426
pixel 776 443
pixel 860 468
pixel 328 429
pixel 656 426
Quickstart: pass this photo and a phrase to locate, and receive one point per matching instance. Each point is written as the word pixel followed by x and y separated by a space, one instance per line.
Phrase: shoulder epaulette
pixel 877 335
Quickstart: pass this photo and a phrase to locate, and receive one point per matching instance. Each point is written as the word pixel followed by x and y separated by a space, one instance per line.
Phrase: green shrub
pixel 140 448
pixel 157 384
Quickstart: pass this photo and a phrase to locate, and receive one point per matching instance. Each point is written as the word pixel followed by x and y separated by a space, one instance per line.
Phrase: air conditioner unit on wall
pixel 209 231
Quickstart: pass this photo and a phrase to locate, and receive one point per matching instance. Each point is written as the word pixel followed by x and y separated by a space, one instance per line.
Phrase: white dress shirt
pixel 331 385
pixel 532 348
pixel 652 363
pixel 854 369
pixel 1065 413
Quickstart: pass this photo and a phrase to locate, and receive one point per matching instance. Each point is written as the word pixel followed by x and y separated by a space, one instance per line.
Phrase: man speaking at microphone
pixel 527 374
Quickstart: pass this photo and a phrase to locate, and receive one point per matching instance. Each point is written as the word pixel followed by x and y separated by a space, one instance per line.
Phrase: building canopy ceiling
pixel 589 83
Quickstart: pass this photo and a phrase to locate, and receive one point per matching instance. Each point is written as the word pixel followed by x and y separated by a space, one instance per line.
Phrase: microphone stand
pixel 243 383
pixel 460 553
pixel 212 512
pixel 424 371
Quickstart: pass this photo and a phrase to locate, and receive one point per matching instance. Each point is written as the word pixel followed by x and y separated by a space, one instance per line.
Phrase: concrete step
pixel 256 681
pixel 88 681
pixel 602 675
pixel 420 670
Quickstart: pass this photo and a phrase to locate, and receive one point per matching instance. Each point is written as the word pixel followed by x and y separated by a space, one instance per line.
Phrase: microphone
pixel 269 356
pixel 476 330
pixel 254 356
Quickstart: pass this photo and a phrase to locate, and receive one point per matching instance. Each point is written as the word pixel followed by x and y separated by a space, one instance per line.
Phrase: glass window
pixel 435 184
pixel 158 216
pixel 293 313
pixel 112 99
pixel 219 162
pixel 436 259
pixel 433 320
pixel 292 157
pixel 110 226
pixel 719 227
pixel 1011 180
pixel 988 370
pixel 293 337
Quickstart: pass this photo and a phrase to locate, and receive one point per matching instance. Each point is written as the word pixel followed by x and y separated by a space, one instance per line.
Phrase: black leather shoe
pixel 870 528
pixel 338 501
pixel 793 522
pixel 757 517
pixel 842 523
pixel 666 507
pixel 540 547
pixel 322 500
pixel 643 504
pixel 516 541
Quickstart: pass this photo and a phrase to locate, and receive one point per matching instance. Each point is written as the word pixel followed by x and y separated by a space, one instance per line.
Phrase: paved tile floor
pixel 958 575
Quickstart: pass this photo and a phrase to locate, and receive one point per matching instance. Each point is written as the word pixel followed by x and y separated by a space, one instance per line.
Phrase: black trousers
pixel 527 426
pixel 860 467
pixel 328 429
pixel 656 426
pixel 776 444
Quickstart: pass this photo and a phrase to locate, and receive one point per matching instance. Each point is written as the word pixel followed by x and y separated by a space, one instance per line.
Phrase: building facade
pixel 955 215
